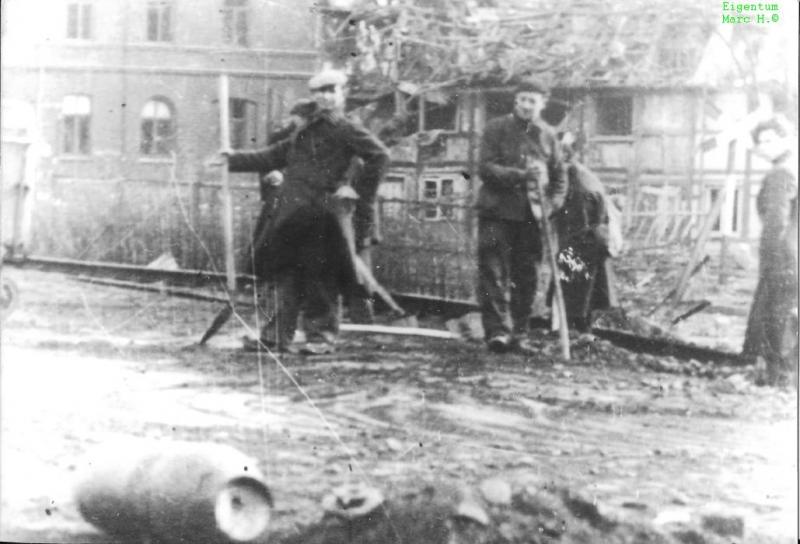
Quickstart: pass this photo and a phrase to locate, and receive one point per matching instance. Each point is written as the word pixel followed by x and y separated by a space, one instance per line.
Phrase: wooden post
pixel 746 194
pixel 559 308
pixel 705 231
pixel 697 205
pixel 724 244
pixel 227 199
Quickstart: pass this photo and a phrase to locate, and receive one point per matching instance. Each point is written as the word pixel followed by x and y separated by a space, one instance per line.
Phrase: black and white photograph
pixel 399 271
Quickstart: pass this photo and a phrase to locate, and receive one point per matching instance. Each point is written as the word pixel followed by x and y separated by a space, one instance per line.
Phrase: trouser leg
pixel 279 329
pixel 321 271
pixel 526 255
pixel 321 308
pixel 493 274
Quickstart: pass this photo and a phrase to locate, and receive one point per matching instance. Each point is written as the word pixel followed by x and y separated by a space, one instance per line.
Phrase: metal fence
pixel 137 221
pixel 427 248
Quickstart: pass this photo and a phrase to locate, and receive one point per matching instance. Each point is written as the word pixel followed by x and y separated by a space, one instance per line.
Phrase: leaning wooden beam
pixel 699 307
pixel 159 288
pixel 401 331
pixel 705 231
pixel 192 294
pixel 128 271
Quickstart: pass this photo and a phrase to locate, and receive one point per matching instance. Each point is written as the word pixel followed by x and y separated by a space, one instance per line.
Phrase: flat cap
pixel 327 77
pixel 531 85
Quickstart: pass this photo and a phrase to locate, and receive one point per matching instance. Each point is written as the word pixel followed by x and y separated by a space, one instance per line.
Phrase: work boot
pixel 499 343
pixel 317 348
pixel 525 347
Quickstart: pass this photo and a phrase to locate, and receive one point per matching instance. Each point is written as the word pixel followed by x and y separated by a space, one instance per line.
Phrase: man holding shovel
pixel 518 151
pixel 305 250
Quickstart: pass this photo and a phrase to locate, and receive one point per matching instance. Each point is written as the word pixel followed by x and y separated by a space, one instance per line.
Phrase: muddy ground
pixel 653 446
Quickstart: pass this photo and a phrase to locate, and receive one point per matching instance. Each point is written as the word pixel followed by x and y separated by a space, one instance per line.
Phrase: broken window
pixel 76 115
pixel 234 22
pixel 159 21
pixel 243 123
pixel 79 21
pixel 157 128
pixel 440 113
pixel 614 115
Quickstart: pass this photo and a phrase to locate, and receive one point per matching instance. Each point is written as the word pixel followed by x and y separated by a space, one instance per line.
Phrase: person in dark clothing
pixel 270 182
pixel 772 325
pixel 269 189
pixel 304 250
pixel 583 239
pixel 517 151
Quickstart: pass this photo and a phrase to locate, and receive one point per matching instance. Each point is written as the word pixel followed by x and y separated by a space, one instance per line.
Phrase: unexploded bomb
pixel 171 491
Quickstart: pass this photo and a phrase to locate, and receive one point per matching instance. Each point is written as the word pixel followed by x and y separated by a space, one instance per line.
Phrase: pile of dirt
pixel 531 511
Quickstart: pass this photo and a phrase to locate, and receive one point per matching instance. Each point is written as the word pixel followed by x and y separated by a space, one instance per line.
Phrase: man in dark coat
pixel 772 326
pixel 517 151
pixel 304 251
pixel 583 236
pixel 270 182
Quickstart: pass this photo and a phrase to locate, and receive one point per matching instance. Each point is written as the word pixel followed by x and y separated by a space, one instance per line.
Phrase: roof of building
pixel 568 43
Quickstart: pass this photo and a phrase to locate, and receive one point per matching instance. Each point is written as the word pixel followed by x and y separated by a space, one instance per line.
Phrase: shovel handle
pixel 551 257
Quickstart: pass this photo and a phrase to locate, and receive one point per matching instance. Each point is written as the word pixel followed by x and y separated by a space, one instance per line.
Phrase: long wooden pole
pixel 227 199
pixel 558 298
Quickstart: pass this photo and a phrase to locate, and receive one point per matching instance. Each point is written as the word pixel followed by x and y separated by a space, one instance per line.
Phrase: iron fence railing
pixel 427 247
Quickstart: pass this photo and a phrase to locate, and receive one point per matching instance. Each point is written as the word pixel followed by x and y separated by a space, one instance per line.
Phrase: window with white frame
pixel 243 117
pixel 159 21
pixel 76 117
pixel 79 20
pixel 235 22
pixel 158 128
pixel 434 191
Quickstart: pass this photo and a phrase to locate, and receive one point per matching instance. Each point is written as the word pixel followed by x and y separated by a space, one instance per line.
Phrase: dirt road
pixel 85 365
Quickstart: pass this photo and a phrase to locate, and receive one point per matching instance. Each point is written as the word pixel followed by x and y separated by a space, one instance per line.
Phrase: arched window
pixel 157 128
pixel 76 116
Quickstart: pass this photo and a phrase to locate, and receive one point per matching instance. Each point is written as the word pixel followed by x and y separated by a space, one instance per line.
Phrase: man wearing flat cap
pixel 305 251
pixel 518 151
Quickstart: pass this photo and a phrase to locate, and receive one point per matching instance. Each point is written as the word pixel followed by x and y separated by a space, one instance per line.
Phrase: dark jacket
pixel 771 328
pixel 507 142
pixel 583 219
pixel 582 226
pixel 315 159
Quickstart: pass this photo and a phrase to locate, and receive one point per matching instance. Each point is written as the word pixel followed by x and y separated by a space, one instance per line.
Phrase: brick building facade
pixel 127 89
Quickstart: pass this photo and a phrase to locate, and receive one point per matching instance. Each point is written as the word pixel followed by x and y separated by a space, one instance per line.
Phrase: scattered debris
pixel 352 501
pixel 496 491
pixel 724 525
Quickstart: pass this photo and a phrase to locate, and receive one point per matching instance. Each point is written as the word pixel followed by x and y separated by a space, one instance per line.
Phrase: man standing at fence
pixel 582 225
pixel 509 239
pixel 305 251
